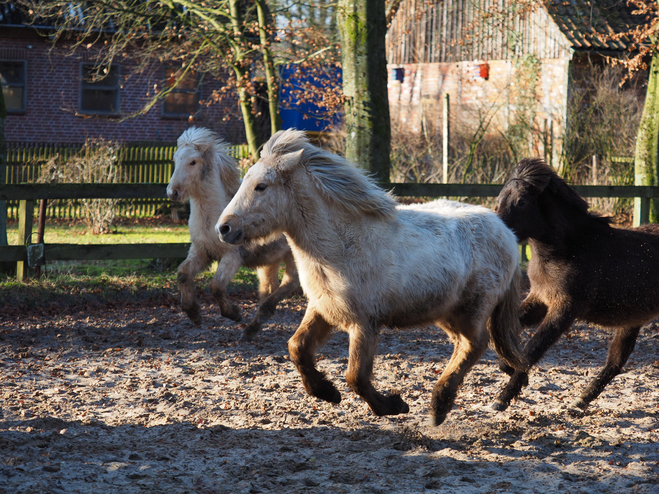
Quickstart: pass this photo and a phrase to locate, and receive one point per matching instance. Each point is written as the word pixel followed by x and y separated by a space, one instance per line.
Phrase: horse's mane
pixel 335 177
pixel 536 173
pixel 215 152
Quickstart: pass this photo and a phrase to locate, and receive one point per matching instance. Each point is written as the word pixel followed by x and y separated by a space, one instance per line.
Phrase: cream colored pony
pixel 207 176
pixel 365 262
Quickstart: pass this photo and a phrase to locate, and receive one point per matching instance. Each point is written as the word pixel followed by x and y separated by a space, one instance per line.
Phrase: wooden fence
pixel 26 194
pixel 137 164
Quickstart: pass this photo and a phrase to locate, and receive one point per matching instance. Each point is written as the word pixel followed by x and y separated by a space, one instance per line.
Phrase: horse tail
pixel 505 328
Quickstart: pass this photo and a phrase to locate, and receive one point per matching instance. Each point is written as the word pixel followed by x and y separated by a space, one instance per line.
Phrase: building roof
pixel 592 25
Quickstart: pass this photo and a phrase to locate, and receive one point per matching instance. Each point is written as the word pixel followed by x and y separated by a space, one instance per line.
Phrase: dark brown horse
pixel 581 268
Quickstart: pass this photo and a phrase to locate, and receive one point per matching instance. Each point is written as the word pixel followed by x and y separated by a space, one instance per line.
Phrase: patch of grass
pixel 126 231
pixel 66 285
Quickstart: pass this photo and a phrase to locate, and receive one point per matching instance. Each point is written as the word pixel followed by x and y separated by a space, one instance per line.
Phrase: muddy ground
pixel 135 399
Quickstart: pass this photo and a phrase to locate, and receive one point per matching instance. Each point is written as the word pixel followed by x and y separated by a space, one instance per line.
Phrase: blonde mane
pixel 215 152
pixel 335 177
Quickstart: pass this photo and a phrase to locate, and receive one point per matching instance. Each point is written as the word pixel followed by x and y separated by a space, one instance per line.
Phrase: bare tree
pixel 192 37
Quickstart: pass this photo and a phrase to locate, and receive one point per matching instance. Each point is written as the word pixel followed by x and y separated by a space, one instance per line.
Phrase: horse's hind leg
pixel 469 348
pixel 551 329
pixel 313 331
pixel 363 345
pixel 185 276
pixel 619 351
pixel 226 270
pixel 270 297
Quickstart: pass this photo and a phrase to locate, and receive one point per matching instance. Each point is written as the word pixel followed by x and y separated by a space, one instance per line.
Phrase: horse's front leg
pixel 548 333
pixel 363 345
pixel 271 294
pixel 470 342
pixel 619 351
pixel 185 275
pixel 313 331
pixel 531 313
pixel 226 270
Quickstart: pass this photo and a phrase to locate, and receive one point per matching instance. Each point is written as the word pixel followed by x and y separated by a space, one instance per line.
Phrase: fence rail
pixel 27 194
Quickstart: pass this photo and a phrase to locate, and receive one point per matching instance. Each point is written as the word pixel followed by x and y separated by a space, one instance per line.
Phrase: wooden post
pixel 550 152
pixel 445 138
pixel 642 209
pixel 41 230
pixel 594 169
pixel 25 217
pixel 545 140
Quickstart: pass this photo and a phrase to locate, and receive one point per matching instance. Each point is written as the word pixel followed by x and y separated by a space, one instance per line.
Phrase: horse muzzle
pixel 230 234
pixel 173 194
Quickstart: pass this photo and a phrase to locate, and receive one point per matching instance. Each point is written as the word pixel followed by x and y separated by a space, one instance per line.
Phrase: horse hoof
pixel 499 406
pixel 326 391
pixel 577 408
pixel 250 331
pixel 331 396
pixel 397 405
pixel 233 313
pixel 195 317
pixel 436 420
pixel 248 336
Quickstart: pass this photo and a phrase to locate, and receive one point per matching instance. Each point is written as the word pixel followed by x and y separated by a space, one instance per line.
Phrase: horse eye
pixel 193 162
pixel 260 187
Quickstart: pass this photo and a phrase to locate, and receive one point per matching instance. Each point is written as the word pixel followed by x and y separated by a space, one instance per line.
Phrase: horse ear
pixel 290 160
pixel 202 147
pixel 541 183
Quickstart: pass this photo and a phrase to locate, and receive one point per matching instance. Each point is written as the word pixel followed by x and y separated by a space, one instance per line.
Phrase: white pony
pixel 366 262
pixel 207 176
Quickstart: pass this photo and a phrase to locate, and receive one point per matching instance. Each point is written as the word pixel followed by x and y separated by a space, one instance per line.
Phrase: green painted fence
pixel 138 164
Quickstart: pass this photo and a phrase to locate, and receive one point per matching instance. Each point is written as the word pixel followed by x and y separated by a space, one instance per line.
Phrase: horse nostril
pixel 225 229
pixel 175 193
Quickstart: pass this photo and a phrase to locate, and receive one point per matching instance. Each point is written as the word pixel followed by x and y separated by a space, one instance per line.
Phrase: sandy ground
pixel 137 399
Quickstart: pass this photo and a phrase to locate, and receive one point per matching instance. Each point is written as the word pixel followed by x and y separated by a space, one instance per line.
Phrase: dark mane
pixel 536 173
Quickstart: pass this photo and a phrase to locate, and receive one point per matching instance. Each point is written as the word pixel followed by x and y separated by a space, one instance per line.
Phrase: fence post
pixel 642 208
pixel 25 217
pixel 445 138
pixel 594 169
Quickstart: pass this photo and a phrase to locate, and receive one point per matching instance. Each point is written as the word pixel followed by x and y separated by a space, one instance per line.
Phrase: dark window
pixel 13 76
pixel 183 101
pixel 99 90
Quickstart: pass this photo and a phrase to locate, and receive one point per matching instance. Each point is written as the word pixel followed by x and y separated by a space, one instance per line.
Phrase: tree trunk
pixel 368 128
pixel 5 267
pixel 270 70
pixel 646 160
pixel 239 59
pixel 249 118
pixel 3 168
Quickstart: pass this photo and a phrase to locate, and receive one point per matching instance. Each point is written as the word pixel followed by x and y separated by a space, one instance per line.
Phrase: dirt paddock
pixel 137 399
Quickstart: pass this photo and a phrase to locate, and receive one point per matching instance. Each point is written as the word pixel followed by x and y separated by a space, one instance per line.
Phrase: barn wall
pixel 416 101
pixel 433 31
pixel 53 92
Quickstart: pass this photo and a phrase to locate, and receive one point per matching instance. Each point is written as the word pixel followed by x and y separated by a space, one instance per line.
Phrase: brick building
pixel 50 99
